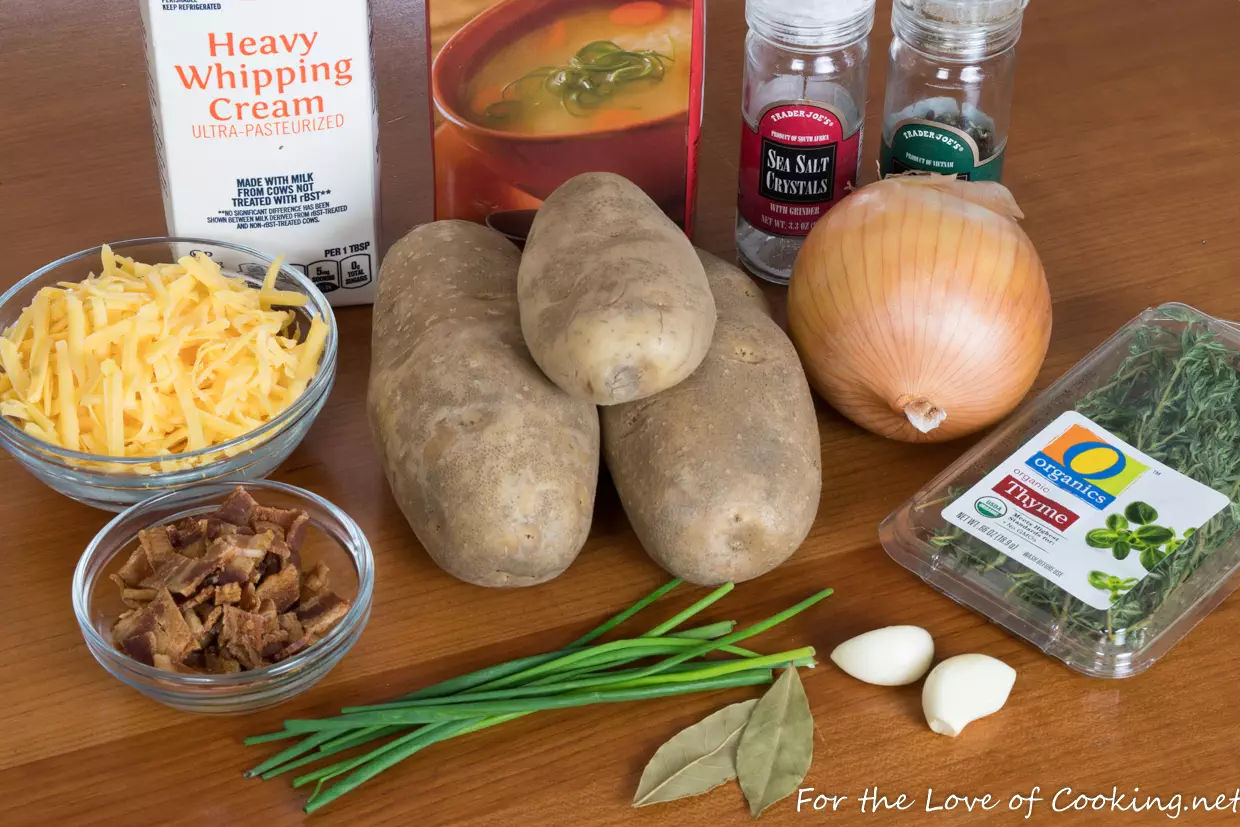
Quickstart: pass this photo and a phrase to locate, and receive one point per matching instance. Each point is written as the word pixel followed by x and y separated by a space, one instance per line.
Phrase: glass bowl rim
pixel 276 424
pixel 360 553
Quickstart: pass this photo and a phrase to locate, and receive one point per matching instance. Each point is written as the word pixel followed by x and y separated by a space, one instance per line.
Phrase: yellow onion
pixel 920 308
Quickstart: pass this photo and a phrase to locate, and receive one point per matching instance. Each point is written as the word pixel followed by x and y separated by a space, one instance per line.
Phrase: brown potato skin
pixel 721 475
pixel 494 467
pixel 614 303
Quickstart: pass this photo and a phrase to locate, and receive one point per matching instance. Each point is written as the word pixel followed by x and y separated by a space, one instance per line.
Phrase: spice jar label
pixel 795 166
pixel 928 146
pixel 1085 510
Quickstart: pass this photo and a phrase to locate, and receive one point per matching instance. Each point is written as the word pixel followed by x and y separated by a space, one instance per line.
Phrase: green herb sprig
pixel 1153 542
pixel 1176 397
pixel 1110 583
pixel 589 79
pixel 581 674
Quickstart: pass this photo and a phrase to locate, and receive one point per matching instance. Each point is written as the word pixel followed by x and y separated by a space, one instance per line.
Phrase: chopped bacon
pixel 157 629
pixel 238 509
pixel 181 575
pixel 157 543
pixel 276 530
pixel 249 598
pixel 323 611
pixel 190 538
pixel 296 533
pixel 227 593
pixel 282 588
pixel 136 569
pixel 137 598
pixel 223 592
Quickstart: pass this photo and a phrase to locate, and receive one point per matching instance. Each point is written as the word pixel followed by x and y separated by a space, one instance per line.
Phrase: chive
pixel 592 654
pixel 288 754
pixel 626 678
pixel 539 687
pixel 606 627
pixel 743 634
pixel 383 762
pixel 709 631
pixel 702 648
pixel 453 686
pixel 466 682
pixel 479 679
pixel 341 743
pixel 607 660
pixel 473 680
pixel 722 643
pixel 681 617
pixel 570 677
pixel 793 657
pixel 426 734
pixel 267 738
pixel 503 670
pixel 346 741
pixel 594 665
pixel 476 710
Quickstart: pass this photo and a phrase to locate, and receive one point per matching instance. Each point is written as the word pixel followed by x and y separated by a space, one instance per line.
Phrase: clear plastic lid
pixel 963 28
pixel 811 23
pixel 963 12
pixel 1099 521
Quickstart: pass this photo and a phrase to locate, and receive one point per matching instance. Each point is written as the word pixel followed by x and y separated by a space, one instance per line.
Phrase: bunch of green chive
pixel 580 674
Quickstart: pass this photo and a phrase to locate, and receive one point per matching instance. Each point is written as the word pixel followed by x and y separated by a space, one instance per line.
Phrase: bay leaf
pixel 777 745
pixel 697 759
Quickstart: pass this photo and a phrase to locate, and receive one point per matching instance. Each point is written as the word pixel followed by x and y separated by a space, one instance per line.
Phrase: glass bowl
pixel 334 538
pixel 113 483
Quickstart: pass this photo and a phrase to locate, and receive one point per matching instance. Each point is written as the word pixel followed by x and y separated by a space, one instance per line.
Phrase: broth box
pixel 528 93
pixel 267 132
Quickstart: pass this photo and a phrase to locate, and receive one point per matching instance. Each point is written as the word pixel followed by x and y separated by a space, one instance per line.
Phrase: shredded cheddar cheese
pixel 155 360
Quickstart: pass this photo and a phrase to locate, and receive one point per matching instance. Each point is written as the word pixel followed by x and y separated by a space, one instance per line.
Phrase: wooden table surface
pixel 1123 151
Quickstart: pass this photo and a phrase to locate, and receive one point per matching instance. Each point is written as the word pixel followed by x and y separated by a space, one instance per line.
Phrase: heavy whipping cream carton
pixel 266 130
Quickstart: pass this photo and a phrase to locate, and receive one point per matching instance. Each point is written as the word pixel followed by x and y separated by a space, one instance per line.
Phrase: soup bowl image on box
pixel 266 132
pixel 531 93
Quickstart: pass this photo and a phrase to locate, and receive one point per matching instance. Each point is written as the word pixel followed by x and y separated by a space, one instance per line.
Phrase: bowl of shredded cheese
pixel 148 365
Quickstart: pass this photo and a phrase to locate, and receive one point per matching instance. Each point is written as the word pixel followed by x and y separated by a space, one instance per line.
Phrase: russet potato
pixel 721 474
pixel 494 467
pixel 614 303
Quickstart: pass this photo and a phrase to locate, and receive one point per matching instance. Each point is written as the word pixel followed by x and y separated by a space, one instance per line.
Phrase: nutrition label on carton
pixel 1085 510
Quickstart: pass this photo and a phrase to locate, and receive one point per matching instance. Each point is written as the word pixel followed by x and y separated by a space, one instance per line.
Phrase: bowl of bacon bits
pixel 222 598
pixel 144 366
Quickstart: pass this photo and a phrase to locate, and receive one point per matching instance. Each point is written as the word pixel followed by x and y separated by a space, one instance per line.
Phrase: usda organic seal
pixel 990 507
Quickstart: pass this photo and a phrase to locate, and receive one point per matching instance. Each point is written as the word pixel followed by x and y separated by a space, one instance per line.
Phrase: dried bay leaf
pixel 697 759
pixel 777 746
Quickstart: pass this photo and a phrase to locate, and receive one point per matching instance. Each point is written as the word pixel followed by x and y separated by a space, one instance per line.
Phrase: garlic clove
pixel 892 656
pixel 963 689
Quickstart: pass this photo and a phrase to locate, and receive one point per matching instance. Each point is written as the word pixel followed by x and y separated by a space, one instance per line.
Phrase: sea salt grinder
pixel 949 86
pixel 802 107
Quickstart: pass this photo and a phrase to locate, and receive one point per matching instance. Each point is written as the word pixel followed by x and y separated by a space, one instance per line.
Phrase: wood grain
pixel 1122 155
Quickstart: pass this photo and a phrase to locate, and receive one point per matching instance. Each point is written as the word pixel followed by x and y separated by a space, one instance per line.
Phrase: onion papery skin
pixel 921 291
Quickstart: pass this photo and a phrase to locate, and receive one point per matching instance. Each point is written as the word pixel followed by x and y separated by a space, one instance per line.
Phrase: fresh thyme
pixel 1176 397
pixel 1134 530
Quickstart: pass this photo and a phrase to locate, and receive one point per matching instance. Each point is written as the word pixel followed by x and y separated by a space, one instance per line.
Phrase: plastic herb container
pixel 1099 521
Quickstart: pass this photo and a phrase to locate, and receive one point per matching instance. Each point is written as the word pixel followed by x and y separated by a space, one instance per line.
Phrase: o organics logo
pixel 1087 466
pixel 990 507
